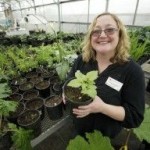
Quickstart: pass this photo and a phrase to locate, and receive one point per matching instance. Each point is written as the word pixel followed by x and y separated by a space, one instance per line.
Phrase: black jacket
pixel 131 96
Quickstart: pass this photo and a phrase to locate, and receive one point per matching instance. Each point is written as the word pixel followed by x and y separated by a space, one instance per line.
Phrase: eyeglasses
pixel 108 31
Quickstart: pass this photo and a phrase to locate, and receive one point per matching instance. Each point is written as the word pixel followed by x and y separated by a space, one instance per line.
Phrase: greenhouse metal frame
pixel 79 13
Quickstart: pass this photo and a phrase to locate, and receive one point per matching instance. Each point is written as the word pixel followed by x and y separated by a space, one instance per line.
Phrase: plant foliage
pixel 137 49
pixel 86 82
pixel 62 69
pixel 6 106
pixel 21 137
pixel 143 132
pixel 95 141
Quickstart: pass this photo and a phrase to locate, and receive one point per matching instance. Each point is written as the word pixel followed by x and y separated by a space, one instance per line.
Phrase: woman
pixel 120 85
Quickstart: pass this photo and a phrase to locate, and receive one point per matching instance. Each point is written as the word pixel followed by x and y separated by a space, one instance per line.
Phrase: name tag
pixel 114 84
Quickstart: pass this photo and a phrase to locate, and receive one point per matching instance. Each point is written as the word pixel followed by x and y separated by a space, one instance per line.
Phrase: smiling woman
pixel 120 84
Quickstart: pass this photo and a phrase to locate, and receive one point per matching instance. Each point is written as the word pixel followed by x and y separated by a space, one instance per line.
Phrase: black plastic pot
pixel 74 97
pixel 36 80
pixel 36 104
pixel 31 94
pixel 47 75
pixel 26 86
pixel 16 97
pixel 31 74
pixel 54 107
pixel 57 88
pixel 44 88
pixel 5 138
pixel 31 119
pixel 18 81
pixel 5 141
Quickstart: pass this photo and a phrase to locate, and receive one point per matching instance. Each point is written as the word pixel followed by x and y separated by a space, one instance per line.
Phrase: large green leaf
pixel 143 132
pixel 95 141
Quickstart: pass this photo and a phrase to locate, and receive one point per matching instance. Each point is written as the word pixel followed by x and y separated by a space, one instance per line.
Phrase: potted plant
pixel 31 119
pixel 36 103
pixel 53 105
pixel 81 89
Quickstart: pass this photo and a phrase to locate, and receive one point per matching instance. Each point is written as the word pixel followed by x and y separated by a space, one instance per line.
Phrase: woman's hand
pixel 95 107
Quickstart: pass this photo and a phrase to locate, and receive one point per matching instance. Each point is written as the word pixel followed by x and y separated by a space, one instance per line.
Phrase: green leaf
pixel 4 90
pixel 95 141
pixel 92 75
pixel 78 144
pixel 79 75
pixel 143 132
pixel 74 83
pixel 21 137
pixel 62 69
pixel 7 106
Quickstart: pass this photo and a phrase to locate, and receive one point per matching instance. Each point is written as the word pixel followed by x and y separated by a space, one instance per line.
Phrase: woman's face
pixel 105 35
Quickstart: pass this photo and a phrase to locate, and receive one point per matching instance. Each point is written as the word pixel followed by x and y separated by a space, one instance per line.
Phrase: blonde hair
pixel 122 49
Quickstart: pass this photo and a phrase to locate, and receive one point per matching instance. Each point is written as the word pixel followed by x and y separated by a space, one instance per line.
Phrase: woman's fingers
pixel 81 112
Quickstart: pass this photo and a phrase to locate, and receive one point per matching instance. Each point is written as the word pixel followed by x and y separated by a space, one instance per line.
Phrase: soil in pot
pixel 26 87
pixel 18 81
pixel 16 97
pixel 54 107
pixel 31 74
pixel 28 95
pixel 36 80
pixel 44 88
pixel 57 88
pixel 30 119
pixel 47 74
pixel 74 97
pixel 14 115
pixel 36 104
pixel 53 80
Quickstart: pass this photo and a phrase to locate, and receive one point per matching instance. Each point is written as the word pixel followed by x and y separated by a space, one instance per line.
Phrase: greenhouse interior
pixel 63 61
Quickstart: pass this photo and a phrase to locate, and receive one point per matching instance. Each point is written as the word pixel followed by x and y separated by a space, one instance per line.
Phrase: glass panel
pixel 122 6
pixel 78 11
pixel 50 12
pixel 124 9
pixel 74 28
pixel 26 4
pixel 41 2
pixel 96 7
pixel 143 13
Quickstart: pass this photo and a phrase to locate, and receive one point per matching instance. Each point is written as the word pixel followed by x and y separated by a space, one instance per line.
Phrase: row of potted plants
pixel 36 39
pixel 9 132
